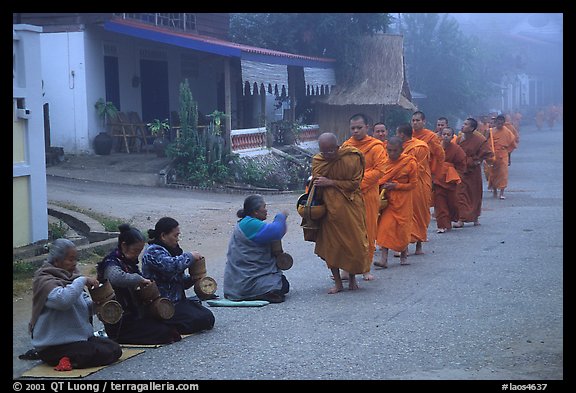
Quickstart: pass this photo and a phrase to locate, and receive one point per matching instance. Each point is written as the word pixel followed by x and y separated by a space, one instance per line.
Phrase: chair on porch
pixel 140 130
pixel 121 129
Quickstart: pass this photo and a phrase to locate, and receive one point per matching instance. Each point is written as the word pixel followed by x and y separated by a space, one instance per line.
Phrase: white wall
pixel 29 169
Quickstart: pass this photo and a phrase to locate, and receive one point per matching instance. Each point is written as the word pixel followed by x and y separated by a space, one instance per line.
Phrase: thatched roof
pixel 380 78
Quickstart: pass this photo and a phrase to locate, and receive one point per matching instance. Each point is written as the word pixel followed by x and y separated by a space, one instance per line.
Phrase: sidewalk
pixel 139 169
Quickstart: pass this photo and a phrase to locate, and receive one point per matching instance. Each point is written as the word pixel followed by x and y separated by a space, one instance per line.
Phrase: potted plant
pixel 103 141
pixel 158 129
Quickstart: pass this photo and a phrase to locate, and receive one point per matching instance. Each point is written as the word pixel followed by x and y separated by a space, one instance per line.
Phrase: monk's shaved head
pixel 328 145
pixel 328 138
pixel 394 147
pixel 395 140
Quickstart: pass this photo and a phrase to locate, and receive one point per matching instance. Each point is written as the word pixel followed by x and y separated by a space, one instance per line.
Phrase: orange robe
pixel 514 131
pixel 504 142
pixel 445 202
pixel 342 241
pixel 435 145
pixel 395 221
pixel 469 190
pixel 422 194
pixel 374 156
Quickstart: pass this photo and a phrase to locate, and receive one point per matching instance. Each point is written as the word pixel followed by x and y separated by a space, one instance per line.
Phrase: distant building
pixel 376 88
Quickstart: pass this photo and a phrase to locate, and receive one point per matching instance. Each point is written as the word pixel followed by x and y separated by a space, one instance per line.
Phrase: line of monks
pixel 414 170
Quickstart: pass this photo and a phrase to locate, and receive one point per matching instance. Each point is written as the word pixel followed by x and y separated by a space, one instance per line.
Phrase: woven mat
pixel 43 370
pixel 231 303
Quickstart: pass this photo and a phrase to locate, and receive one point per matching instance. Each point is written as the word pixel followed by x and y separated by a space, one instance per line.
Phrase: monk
pixel 431 138
pixel 441 123
pixel 504 143
pixel 381 132
pixel 508 124
pixel 469 190
pixel 539 119
pixel 422 193
pixel 342 241
pixel 395 221
pixel 374 157
pixel 445 204
pixel 516 119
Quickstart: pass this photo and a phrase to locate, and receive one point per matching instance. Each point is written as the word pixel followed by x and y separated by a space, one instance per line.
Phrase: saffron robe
pixel 504 142
pixel 342 240
pixel 469 190
pixel 396 220
pixel 374 157
pixel 445 202
pixel 436 151
pixel 422 194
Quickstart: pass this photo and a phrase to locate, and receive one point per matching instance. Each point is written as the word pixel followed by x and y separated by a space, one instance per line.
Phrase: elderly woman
pixel 61 328
pixel 251 272
pixel 165 263
pixel 120 268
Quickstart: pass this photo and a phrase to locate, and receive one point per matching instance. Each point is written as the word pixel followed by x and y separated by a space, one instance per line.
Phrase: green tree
pixel 332 35
pixel 450 68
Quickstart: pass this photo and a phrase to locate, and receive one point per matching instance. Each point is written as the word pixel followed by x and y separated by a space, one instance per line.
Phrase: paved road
pixel 483 303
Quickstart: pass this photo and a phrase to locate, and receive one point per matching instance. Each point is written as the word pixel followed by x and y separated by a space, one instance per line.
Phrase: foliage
pixel 395 116
pixel 284 132
pixel 199 157
pixel 57 230
pixel 332 35
pixel 446 65
pixel 105 110
pixel 158 128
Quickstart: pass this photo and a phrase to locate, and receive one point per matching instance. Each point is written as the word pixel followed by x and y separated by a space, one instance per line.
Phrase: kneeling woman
pixel 61 323
pixel 120 267
pixel 251 272
pixel 165 263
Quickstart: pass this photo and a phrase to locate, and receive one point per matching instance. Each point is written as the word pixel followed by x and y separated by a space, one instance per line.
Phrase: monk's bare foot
pixel 367 277
pixel 404 258
pixel 381 265
pixel 396 254
pixel 476 223
pixel 352 284
pixel 418 249
pixel 459 224
pixel 343 276
pixel 337 282
pixel 494 193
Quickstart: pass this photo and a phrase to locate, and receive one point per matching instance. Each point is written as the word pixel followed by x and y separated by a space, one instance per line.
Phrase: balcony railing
pixel 184 21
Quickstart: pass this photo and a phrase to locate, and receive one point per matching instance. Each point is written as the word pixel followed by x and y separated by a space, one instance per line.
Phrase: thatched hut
pixel 378 86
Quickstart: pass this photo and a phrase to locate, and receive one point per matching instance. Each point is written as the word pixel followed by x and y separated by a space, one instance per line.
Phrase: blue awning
pixel 213 45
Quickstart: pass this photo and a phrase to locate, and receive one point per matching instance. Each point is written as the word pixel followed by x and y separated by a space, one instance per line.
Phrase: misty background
pixel 457 65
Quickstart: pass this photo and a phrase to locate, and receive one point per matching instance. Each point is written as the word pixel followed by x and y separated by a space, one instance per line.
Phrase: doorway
pixel 154 90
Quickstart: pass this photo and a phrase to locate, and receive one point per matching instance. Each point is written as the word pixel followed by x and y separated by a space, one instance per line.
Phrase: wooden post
pixel 227 107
